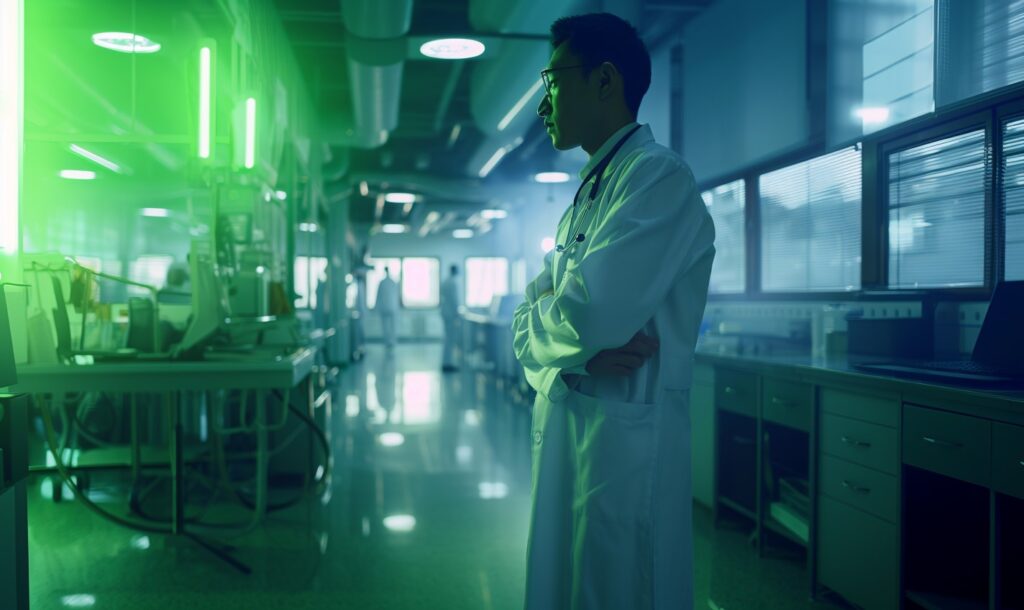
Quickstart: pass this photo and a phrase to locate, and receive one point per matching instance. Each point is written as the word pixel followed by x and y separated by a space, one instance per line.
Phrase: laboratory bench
pixel 896 493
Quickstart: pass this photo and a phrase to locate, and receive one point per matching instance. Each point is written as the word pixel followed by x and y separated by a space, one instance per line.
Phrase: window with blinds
pixel 810 225
pixel 937 213
pixel 1012 191
pixel 725 203
pixel 980 47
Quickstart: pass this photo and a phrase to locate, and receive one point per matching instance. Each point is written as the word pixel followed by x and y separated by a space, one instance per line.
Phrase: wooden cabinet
pixel 955 445
pixel 860 442
pixel 736 391
pixel 787 403
pixel 1008 459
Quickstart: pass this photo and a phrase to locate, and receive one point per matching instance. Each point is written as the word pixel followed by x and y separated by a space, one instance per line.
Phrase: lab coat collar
pixel 642 136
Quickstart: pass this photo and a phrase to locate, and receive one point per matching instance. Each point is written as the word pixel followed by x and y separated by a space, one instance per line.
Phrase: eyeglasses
pixel 545 76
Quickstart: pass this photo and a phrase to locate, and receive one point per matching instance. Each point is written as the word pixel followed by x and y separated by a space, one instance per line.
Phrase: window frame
pixel 1005 113
pixel 982 120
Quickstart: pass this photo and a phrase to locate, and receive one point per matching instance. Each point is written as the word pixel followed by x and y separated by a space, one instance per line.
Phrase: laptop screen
pixel 1001 339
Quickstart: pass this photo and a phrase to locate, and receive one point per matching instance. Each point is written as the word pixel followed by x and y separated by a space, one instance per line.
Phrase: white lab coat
pixel 611 516
pixel 387 307
pixel 450 300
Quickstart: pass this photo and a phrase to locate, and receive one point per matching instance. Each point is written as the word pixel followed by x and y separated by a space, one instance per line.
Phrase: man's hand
pixel 624 360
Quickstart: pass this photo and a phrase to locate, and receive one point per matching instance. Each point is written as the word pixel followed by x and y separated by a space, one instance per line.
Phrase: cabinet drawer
pixel 736 391
pixel 860 487
pixel 857 555
pixel 957 446
pixel 786 403
pixel 857 441
pixel 883 411
pixel 1008 459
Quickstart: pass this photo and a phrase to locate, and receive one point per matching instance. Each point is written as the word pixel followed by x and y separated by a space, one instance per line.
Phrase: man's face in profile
pixel 565 106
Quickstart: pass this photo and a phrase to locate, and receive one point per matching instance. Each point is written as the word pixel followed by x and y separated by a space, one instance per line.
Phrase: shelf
pixel 736 506
pixel 797 532
pixel 938 601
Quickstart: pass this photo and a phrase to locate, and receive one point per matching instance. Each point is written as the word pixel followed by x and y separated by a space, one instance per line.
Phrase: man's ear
pixel 608 76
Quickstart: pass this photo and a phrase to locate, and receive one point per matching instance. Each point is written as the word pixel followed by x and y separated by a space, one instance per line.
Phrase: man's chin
pixel 561 144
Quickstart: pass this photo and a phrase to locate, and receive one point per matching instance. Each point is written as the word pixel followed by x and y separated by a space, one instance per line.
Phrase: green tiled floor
pixel 461 473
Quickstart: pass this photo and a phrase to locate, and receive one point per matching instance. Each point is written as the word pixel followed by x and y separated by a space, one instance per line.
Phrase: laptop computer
pixel 997 355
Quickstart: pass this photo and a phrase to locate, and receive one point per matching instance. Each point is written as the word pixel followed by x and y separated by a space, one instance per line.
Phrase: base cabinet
pixel 857 555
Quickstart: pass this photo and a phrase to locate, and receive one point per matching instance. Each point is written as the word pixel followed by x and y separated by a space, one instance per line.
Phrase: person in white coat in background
pixel 387 307
pixel 606 336
pixel 451 298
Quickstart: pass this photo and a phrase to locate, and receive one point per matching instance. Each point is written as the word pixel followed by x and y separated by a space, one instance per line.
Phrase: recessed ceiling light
pixel 400 523
pixel 393 228
pixel 125 42
pixel 77 174
pixel 493 214
pixel 156 212
pixel 551 177
pixel 879 114
pixel 462 233
pixel 391 439
pixel 400 198
pixel 452 48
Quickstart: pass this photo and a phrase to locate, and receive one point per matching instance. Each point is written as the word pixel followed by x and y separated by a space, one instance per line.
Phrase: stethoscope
pixel 594 189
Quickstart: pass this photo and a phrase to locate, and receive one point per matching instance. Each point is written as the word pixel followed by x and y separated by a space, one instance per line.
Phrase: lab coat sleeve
pixel 646 238
pixel 546 380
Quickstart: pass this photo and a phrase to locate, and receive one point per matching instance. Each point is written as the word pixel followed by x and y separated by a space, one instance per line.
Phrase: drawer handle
pixel 729 390
pixel 782 402
pixel 856 443
pixel 856 488
pixel 940 442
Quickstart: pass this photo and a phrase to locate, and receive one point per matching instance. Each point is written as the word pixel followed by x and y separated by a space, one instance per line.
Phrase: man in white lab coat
pixel 606 336
pixel 450 300
pixel 387 308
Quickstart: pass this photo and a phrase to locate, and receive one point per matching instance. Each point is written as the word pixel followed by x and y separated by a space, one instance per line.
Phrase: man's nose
pixel 544 108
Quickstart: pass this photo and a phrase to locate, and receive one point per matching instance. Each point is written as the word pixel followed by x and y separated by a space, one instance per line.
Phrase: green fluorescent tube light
pixel 518 107
pixel 11 93
pixel 97 159
pixel 155 212
pixel 77 174
pixel 250 133
pixel 393 229
pixel 204 103
pixel 462 233
pixel 452 48
pixel 125 42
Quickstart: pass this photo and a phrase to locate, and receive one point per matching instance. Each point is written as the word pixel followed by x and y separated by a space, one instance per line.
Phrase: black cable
pixel 325 446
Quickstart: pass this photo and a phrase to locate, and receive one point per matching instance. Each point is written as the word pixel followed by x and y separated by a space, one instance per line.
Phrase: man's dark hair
pixel 600 37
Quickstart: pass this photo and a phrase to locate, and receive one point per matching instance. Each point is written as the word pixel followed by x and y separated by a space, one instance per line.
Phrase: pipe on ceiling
pixel 376 58
pixel 505 91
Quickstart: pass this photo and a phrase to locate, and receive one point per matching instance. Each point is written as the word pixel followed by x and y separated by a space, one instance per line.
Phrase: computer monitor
pixel 1002 333
pixel 209 307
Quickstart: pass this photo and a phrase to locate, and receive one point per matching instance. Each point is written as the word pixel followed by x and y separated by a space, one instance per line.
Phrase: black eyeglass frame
pixel 547 80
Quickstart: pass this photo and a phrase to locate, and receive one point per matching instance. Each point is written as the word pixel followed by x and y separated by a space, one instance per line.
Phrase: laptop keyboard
pixel 958 366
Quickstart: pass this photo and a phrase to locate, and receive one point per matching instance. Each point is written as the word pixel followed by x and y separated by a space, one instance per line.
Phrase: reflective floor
pixel 427 509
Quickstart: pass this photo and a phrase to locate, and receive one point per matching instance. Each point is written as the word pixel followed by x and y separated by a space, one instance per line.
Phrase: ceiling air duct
pixel 376 54
pixel 505 91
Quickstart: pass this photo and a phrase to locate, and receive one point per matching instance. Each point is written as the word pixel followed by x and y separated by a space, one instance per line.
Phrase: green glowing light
pixel 125 42
pixel 250 133
pixel 11 93
pixel 204 103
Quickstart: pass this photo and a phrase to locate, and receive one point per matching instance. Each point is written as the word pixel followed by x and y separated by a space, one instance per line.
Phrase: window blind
pixel 810 224
pixel 726 204
pixel 1012 192
pixel 937 213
